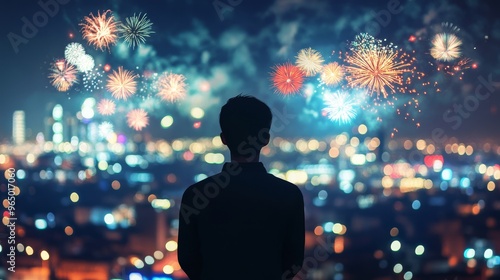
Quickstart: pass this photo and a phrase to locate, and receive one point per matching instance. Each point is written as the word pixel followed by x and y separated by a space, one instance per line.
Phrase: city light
pixel 395 245
pixel 419 250
pixel 44 255
pixel 171 245
pixel 469 253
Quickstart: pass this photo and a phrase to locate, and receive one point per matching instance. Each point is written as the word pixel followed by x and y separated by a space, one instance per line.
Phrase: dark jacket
pixel 242 223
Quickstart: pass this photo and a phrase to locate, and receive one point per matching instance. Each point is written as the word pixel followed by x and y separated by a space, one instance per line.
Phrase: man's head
pixel 245 122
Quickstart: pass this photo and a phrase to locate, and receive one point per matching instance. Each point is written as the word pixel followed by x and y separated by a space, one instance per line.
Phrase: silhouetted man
pixel 242 223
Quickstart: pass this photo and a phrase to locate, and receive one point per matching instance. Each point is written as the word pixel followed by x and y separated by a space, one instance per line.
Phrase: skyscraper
pixel 18 127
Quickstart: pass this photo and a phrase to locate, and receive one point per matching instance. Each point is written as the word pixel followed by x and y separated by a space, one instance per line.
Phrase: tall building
pixel 57 127
pixel 70 127
pixel 18 127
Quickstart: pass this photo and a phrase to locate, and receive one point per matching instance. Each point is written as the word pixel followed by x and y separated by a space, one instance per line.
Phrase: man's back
pixel 242 224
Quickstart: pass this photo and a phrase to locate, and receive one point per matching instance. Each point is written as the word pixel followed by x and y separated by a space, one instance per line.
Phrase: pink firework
pixel 63 75
pixel 171 87
pixel 137 119
pixel 106 107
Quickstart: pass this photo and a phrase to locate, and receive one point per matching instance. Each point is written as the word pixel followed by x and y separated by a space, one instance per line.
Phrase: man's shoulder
pixel 268 178
pixel 218 179
pixel 285 185
pixel 200 184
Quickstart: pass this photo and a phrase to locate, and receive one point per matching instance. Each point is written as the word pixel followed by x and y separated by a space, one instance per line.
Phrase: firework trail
pixel 287 78
pixel 171 87
pixel 106 107
pixel 135 30
pixel 309 61
pixel 63 75
pixel 73 52
pixel 446 47
pixel 137 119
pixel 93 79
pixel 340 106
pixel 122 84
pixel 100 31
pixel 332 74
pixel 148 84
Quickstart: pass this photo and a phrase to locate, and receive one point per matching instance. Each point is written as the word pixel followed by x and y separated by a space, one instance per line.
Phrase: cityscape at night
pixel 385 115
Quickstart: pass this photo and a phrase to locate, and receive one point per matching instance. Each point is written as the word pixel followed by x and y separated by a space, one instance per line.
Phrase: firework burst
pixel 122 84
pixel 135 30
pixel 376 70
pixel 100 31
pixel 332 74
pixel 105 129
pixel 171 87
pixel 287 78
pixel 310 61
pixel 340 106
pixel 73 52
pixel 365 41
pixel 85 63
pixel 446 47
pixel 137 119
pixel 63 75
pixel 106 107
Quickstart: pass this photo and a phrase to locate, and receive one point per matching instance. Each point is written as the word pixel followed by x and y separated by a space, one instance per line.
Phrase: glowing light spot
pixel 44 255
pixel 68 230
pixel 168 269
pixel 167 121
pixel 397 268
pixel 171 246
pixel 395 245
pixel 74 197
pixel 469 253
pixel 419 250
pixel 197 113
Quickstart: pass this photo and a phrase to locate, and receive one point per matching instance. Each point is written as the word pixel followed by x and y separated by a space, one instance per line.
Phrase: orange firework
pixel 332 74
pixel 171 87
pixel 122 84
pixel 106 107
pixel 376 70
pixel 100 31
pixel 63 75
pixel 287 78
pixel 137 119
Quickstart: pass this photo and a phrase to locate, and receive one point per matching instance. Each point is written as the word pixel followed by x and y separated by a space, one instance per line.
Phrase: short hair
pixel 244 117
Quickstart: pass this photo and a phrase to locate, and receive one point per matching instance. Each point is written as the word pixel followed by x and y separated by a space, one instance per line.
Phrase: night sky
pixel 236 50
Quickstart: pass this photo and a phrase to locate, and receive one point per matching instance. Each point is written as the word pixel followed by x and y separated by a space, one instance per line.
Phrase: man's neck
pixel 238 158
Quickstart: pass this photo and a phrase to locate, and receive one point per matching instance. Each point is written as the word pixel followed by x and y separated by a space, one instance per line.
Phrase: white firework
pixel 446 47
pixel 105 129
pixel 73 52
pixel 340 106
pixel 310 61
pixel 85 63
